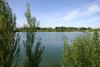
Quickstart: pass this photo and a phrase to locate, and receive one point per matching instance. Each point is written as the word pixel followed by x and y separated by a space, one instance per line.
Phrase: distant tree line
pixel 57 29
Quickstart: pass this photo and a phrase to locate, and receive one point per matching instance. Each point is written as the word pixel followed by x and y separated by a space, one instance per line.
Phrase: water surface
pixel 53 42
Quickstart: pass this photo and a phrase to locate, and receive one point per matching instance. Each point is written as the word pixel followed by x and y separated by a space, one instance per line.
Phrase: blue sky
pixel 51 13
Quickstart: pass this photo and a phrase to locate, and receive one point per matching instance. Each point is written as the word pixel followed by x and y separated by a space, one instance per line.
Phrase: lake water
pixel 53 42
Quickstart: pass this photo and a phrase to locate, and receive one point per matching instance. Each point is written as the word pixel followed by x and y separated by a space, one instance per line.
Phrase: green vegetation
pixel 9 45
pixel 57 29
pixel 83 52
pixel 33 58
pixel 9 41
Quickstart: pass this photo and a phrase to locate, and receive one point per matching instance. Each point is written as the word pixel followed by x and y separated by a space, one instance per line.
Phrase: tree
pixel 8 43
pixel 33 58
pixel 32 21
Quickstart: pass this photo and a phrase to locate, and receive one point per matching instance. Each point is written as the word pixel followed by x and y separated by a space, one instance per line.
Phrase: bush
pixel 83 52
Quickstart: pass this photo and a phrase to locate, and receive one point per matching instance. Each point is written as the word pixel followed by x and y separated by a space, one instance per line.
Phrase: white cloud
pixel 80 13
pixel 84 16
pixel 91 10
pixel 70 16
pixel 20 24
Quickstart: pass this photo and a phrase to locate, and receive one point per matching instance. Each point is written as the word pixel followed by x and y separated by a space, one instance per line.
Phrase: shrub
pixel 83 52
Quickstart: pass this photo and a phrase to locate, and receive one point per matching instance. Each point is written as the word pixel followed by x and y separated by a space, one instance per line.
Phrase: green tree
pixel 33 58
pixel 32 21
pixel 9 45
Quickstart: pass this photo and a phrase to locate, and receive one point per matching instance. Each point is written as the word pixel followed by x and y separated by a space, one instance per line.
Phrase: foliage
pixel 33 58
pixel 83 52
pixel 57 29
pixel 9 45
pixel 32 21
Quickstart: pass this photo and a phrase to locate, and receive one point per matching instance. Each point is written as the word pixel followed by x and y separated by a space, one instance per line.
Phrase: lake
pixel 53 43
